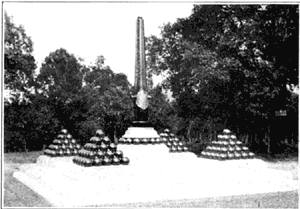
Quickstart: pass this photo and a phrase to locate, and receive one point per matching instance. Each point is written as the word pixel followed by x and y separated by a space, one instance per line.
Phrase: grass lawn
pixel 17 194
pixel 21 157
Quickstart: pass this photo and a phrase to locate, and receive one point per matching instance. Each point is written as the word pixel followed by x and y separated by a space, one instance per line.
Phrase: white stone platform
pixel 153 174
pixel 140 132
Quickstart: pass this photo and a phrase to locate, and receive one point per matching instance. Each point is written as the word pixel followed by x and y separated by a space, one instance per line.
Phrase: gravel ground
pixel 17 194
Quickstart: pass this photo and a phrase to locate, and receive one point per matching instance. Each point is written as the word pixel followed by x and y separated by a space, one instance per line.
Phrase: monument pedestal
pixel 140 133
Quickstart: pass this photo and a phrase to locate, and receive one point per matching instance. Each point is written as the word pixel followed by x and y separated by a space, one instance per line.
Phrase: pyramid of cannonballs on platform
pixel 100 151
pixel 172 142
pixel 227 147
pixel 63 145
pixel 152 138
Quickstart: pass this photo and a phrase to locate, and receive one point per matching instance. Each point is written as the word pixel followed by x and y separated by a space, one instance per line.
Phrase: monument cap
pixel 99 132
pixel 226 131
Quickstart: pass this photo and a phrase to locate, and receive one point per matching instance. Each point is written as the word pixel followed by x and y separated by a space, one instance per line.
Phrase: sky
pixel 88 30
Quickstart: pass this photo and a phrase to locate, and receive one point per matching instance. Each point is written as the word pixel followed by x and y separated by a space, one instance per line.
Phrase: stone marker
pixel 140 97
pixel 141 131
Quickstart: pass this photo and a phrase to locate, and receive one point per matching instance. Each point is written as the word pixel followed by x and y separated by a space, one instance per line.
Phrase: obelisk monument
pixel 141 131
pixel 140 97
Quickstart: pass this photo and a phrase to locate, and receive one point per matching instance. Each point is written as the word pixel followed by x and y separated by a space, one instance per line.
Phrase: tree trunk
pixel 250 139
pixel 210 132
pixel 23 136
pixel 256 139
pixel 189 130
pixel 25 145
pixel 114 134
pixel 269 141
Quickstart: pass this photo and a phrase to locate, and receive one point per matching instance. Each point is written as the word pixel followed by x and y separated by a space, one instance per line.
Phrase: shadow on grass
pixel 280 157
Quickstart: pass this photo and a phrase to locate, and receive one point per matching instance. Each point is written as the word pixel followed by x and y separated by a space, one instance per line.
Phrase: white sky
pixel 91 29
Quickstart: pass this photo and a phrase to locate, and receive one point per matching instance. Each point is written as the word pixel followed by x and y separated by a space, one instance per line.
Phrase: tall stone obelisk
pixel 140 97
pixel 141 131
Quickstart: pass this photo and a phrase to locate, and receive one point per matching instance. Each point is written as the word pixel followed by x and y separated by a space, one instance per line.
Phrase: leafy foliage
pixel 225 64
pixel 255 37
pixel 109 99
pixel 19 66
pixel 162 114
pixel 60 76
pixel 19 63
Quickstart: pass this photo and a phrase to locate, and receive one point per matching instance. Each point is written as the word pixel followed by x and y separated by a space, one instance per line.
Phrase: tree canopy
pixel 19 63
pixel 60 75
pixel 226 63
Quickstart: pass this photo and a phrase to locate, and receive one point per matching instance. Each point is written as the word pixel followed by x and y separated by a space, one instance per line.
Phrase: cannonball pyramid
pixel 172 142
pixel 227 147
pixel 100 151
pixel 63 145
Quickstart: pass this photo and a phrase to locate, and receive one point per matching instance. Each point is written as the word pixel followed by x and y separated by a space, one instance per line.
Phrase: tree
pixel 19 66
pixel 229 57
pixel 60 76
pixel 256 36
pixel 15 120
pixel 190 69
pixel 60 80
pixel 161 112
pixel 19 63
pixel 108 100
pixel 58 86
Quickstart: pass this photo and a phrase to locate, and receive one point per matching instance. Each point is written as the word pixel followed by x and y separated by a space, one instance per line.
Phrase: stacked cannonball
pixel 172 142
pixel 227 147
pixel 138 141
pixel 63 145
pixel 100 151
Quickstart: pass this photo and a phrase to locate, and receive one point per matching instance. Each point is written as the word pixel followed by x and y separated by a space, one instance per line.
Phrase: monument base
pixel 141 132
pixel 152 174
